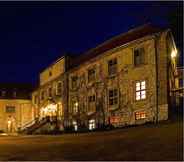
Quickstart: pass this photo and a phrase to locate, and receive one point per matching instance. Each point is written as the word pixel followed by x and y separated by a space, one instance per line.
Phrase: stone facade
pixel 49 99
pixel 126 84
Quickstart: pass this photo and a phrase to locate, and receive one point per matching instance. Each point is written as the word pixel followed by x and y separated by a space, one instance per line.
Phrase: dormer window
pixel 3 93
pixel 14 94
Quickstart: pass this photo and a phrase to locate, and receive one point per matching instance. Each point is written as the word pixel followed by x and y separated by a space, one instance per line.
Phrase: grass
pixel 147 142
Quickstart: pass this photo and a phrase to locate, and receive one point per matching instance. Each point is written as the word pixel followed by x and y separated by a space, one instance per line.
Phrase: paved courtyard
pixel 148 142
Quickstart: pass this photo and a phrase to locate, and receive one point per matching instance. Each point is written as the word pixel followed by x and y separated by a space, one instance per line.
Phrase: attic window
pixel 50 73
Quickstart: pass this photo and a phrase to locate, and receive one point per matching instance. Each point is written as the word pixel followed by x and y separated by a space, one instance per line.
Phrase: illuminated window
pixel 112 67
pixel 10 109
pixel 75 125
pixel 91 75
pixel 140 115
pixel 75 107
pixel 113 97
pixel 139 56
pixel 140 90
pixel 92 124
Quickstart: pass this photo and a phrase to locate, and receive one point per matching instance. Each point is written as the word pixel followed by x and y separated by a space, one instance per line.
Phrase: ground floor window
pixel 75 125
pixel 140 115
pixel 91 124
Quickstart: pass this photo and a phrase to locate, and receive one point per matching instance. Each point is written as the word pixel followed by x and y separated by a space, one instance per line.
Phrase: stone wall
pixel 124 81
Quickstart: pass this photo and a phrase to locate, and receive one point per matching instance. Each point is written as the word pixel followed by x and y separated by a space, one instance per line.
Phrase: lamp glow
pixel 173 53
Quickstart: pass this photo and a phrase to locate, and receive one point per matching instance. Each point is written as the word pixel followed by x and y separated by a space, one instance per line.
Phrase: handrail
pixel 28 124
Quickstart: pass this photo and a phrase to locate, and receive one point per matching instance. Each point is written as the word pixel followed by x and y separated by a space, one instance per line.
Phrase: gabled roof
pixel 114 42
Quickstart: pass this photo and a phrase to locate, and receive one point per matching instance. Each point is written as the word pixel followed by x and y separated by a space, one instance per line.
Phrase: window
pixel 91 98
pixel 50 73
pixel 75 125
pixel 91 75
pixel 3 93
pixel 181 82
pixel 50 92
pixel 42 95
pixel 91 103
pixel 140 115
pixel 92 124
pixel 74 82
pixel 58 91
pixel 35 99
pixel 139 56
pixel 14 94
pixel 10 109
pixel 75 107
pixel 112 67
pixel 140 90
pixel 113 97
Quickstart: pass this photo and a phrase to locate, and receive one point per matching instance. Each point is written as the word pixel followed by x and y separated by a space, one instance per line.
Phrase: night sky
pixel 34 34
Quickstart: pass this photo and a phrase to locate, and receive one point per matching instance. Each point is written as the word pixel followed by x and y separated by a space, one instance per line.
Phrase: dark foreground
pixel 148 142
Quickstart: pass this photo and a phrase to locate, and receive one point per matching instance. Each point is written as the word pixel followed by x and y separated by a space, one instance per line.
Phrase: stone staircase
pixel 38 126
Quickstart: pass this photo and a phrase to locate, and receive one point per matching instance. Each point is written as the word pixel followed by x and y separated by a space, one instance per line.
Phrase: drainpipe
pixel 156 79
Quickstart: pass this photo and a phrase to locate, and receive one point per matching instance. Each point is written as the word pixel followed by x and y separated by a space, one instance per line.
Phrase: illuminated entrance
pixel 49 110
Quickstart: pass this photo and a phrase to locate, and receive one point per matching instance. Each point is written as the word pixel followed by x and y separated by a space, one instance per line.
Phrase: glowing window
pixel 140 90
pixel 75 107
pixel 75 125
pixel 140 115
pixel 92 124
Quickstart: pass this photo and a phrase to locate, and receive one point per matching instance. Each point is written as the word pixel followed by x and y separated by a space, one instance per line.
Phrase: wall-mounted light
pixel 173 53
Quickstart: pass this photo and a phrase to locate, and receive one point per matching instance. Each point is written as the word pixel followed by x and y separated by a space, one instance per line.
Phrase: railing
pixel 28 124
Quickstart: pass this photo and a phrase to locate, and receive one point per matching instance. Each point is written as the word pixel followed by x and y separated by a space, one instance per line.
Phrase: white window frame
pixel 140 90
pixel 92 124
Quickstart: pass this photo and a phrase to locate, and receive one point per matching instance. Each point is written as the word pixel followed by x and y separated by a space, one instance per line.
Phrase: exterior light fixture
pixel 173 53
pixel 76 104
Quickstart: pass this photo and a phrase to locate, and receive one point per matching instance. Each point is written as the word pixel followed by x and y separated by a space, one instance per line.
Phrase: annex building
pixel 126 80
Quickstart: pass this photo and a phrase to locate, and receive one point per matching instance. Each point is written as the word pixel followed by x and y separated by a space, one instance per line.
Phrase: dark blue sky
pixel 34 34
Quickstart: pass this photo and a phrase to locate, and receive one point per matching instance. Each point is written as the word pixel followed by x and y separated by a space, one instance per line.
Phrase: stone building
pixel 16 110
pixel 124 81
pixel 50 98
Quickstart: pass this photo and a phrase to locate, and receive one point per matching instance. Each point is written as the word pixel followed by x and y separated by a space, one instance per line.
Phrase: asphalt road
pixel 148 142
